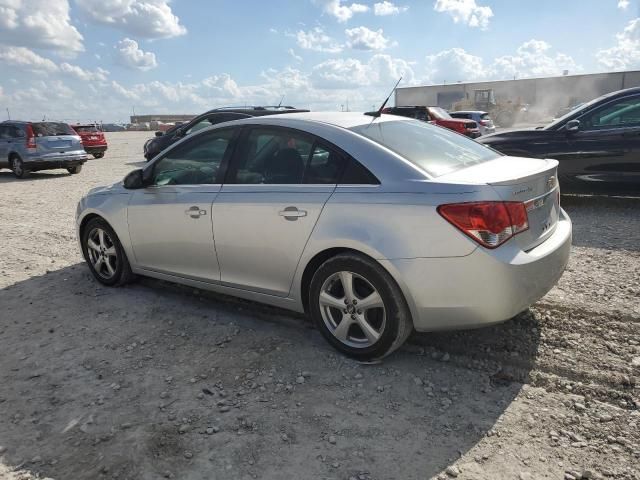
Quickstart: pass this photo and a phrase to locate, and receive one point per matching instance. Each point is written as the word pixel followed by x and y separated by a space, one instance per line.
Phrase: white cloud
pixel 130 55
pixel 623 4
pixel 531 59
pixel 39 24
pixel 361 38
pixel 295 56
pixel 465 11
pixel 387 8
pixel 85 75
pixel 316 40
pixel 341 12
pixel 380 71
pixel 22 57
pixel 142 18
pixel 626 51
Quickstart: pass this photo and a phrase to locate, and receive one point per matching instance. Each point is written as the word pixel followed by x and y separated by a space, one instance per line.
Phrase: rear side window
pixel 49 129
pixel 357 174
pixel 460 115
pixel 435 150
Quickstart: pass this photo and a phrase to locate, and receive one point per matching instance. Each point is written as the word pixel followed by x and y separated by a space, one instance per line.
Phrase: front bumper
pixel 484 287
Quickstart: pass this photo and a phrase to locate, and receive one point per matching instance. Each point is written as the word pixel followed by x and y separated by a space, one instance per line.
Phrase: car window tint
pixel 623 112
pixel 199 126
pixel 48 129
pixel 16 132
pixel 324 166
pixel 195 162
pixel 436 150
pixel 271 156
pixel 4 132
pixel 358 174
pixel 86 129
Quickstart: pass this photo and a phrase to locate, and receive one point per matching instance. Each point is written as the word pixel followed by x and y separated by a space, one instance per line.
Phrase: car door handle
pixel 195 212
pixel 292 213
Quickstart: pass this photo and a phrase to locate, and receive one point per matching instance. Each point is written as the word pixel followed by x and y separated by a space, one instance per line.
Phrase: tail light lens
pixel 488 223
pixel 31 137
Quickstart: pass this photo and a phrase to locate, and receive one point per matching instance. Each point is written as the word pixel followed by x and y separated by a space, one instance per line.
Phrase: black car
pixel 597 145
pixel 155 145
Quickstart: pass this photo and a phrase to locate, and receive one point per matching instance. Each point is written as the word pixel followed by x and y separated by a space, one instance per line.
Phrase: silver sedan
pixel 373 226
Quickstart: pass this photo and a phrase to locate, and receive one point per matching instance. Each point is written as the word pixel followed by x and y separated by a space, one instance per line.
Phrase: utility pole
pixel 8 114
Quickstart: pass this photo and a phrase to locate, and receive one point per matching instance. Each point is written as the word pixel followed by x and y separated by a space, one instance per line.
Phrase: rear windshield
pixel 48 129
pixel 435 150
pixel 86 129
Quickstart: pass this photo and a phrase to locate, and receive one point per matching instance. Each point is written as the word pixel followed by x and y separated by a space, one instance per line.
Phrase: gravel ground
pixel 159 381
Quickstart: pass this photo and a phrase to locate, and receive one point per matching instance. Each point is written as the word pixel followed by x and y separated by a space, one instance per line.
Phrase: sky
pixel 99 60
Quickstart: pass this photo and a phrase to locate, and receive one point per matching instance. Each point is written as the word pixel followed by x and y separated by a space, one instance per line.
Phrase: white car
pixel 374 226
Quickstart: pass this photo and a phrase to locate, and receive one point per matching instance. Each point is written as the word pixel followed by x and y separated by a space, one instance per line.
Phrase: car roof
pixel 338 119
pixel 481 112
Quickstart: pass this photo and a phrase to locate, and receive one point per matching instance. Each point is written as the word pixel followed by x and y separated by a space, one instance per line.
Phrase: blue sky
pixel 81 60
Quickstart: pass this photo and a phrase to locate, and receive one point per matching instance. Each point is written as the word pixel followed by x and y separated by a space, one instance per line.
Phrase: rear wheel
pixel 358 307
pixel 17 166
pixel 98 155
pixel 74 170
pixel 104 254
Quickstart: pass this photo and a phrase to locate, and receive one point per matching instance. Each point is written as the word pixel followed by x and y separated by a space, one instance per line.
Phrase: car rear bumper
pixel 54 162
pixel 91 149
pixel 474 134
pixel 484 287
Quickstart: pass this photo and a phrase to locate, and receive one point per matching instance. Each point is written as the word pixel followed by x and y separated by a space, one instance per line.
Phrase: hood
pixel 108 189
pixel 513 135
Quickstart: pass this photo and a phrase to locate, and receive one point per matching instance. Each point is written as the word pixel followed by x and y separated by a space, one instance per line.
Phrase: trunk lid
pixel 515 179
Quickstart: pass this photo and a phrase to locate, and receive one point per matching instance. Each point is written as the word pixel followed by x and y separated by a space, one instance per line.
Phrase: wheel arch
pixel 322 256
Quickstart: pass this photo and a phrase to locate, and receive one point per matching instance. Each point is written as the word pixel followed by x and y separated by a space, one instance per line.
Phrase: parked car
pixel 32 146
pixel 162 140
pixel 93 139
pixel 373 226
pixel 597 145
pixel 437 116
pixel 484 121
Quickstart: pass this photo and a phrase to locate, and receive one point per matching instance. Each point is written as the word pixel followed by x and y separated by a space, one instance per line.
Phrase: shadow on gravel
pixel 156 380
pixel 6 176
pixel 604 222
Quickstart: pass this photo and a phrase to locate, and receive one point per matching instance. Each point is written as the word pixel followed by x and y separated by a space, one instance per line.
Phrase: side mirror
pixel 134 180
pixel 159 133
pixel 180 132
pixel 572 126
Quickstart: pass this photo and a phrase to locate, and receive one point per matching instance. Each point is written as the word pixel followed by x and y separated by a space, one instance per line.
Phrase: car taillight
pixel 31 138
pixel 488 223
pixel 484 123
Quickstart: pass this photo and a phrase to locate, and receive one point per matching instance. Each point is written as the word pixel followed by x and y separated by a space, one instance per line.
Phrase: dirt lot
pixel 158 381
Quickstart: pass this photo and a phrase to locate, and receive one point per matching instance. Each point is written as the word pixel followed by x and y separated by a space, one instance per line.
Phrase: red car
pixel 437 116
pixel 93 139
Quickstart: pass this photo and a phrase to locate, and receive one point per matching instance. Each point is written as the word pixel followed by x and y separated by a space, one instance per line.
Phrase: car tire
pixel 17 167
pixel 74 170
pixel 98 155
pixel 104 254
pixel 369 320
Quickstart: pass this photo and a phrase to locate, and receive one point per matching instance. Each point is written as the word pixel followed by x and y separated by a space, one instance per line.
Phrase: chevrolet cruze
pixel 374 225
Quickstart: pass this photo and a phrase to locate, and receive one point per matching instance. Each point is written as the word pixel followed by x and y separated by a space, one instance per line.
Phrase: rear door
pixel 275 190
pixel 606 149
pixel 56 139
pixel 170 222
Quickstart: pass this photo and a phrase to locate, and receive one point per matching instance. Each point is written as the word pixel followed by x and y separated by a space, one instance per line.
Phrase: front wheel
pixel 104 254
pixel 358 307
pixel 74 170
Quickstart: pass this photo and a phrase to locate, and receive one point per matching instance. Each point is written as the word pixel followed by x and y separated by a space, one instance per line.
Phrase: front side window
pixel 272 156
pixel 620 113
pixel 194 162
pixel 199 126
pixel 435 150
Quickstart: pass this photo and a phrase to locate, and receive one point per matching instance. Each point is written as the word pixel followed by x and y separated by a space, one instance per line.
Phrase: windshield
pixel 439 113
pixel 48 129
pixel 435 150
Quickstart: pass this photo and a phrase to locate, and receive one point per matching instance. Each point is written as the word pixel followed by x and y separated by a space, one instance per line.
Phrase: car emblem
pixel 551 182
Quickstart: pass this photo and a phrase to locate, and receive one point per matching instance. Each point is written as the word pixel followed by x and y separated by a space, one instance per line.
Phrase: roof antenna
pixel 378 112
pixel 281 100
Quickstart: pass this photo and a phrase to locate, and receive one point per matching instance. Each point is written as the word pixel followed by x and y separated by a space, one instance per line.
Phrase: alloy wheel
pixel 352 309
pixel 102 253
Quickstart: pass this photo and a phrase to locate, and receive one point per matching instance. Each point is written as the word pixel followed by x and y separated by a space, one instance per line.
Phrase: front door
pixel 170 221
pixel 275 190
